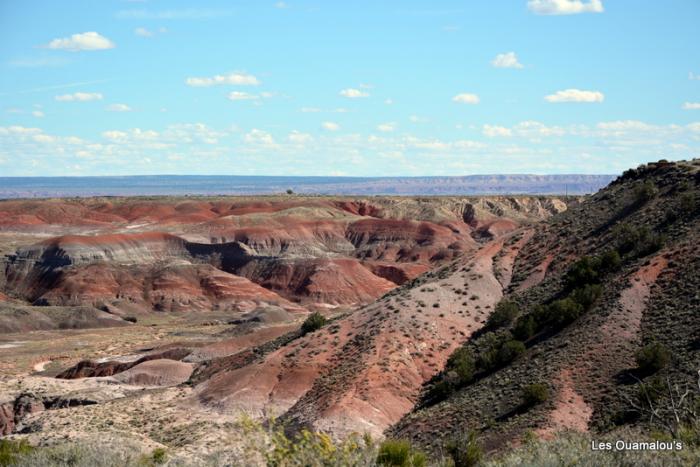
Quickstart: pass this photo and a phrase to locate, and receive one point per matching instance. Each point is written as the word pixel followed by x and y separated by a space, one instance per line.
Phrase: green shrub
pixel 83 453
pixel 625 237
pixel 463 364
pixel 525 328
pixel 645 192
pixel 637 241
pixel 466 451
pixel 563 312
pixel 534 394
pixel 509 351
pixel 313 322
pixel 574 449
pixel 582 272
pixel 652 358
pixel 503 315
pixel 687 203
pixel 159 456
pixel 650 391
pixel 610 261
pixel 11 451
pixel 400 453
pixel 131 319
pixel 442 389
pixel 587 295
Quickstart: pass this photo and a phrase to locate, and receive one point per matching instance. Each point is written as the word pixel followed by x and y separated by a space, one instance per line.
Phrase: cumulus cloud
pixel 564 7
pixel 386 127
pixel 493 131
pixel 466 98
pixel 575 95
pixel 506 60
pixel 351 93
pixel 38 113
pixel 80 97
pixel 118 108
pixel 330 126
pixel 691 105
pixel 79 42
pixel 238 79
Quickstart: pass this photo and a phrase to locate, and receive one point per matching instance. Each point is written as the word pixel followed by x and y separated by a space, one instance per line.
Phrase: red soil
pixel 364 372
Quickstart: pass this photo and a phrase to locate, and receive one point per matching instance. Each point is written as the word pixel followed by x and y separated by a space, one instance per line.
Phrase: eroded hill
pixel 601 312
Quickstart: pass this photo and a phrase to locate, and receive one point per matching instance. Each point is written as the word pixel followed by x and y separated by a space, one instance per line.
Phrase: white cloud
pixel 259 138
pixel 38 113
pixel 624 125
pixel 330 126
pixel 118 108
pixel 238 79
pixel 564 7
pixel 242 96
pixel 388 101
pixel 386 127
pixel 575 95
pixel 353 93
pixel 297 137
pixel 691 105
pixel 143 32
pixel 19 130
pixel 466 98
pixel 79 97
pixel 84 41
pixel 534 129
pixel 135 134
pixel 114 135
pixel 506 60
pixel 493 131
pixel 693 76
pixel 281 5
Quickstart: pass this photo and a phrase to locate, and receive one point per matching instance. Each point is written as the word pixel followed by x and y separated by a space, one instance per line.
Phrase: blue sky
pixel 360 88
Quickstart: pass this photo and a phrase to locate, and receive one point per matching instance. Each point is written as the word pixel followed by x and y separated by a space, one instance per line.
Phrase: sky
pixel 362 88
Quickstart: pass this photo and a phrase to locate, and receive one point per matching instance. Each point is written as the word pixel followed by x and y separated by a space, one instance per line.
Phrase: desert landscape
pixel 299 233
pixel 167 323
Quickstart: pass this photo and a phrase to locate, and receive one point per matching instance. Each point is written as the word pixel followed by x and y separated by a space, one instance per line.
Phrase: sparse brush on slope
pixel 617 304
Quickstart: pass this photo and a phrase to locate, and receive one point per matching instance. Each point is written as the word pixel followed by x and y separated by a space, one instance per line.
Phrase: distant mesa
pixel 163 185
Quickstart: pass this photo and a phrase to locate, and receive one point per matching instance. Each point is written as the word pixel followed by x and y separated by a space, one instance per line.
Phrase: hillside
pixel 593 287
pixel 502 318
